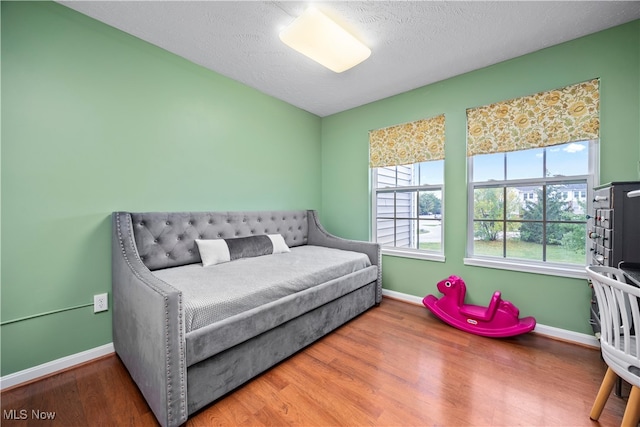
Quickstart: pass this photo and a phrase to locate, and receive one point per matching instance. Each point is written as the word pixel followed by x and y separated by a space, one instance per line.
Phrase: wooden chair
pixel 619 305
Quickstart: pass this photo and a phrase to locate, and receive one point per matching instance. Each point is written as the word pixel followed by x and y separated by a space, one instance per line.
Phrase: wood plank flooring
pixel 395 365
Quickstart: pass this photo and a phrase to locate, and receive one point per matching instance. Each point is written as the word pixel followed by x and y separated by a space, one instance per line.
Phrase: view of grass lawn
pixel 430 246
pixel 527 250
pixel 430 235
pixel 429 239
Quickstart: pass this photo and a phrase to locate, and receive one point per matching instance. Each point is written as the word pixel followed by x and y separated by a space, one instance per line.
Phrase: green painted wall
pixel 95 120
pixel 612 55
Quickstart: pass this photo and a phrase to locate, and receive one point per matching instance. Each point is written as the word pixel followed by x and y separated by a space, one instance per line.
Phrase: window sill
pixel 415 254
pixel 573 271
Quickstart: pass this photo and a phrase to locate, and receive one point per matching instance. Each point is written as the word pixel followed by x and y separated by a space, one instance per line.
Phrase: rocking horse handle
pixel 485 314
pixel 496 299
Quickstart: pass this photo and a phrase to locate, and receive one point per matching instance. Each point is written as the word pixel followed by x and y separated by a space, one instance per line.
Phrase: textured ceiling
pixel 413 43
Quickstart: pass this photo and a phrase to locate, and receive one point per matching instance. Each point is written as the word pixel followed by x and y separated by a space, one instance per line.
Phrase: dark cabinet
pixel 613 230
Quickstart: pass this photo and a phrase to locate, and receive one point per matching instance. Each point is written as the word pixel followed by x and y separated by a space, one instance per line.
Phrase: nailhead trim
pixel 181 341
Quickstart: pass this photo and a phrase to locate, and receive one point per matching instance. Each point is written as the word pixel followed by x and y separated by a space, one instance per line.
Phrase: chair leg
pixel 603 394
pixel 632 413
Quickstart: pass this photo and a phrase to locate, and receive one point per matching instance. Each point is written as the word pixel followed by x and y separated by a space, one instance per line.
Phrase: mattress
pixel 213 293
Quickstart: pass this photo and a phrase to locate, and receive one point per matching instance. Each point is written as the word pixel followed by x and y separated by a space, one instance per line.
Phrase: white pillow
pixel 279 245
pixel 213 251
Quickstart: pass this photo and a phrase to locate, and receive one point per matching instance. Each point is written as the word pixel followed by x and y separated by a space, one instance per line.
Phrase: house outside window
pixel 407 176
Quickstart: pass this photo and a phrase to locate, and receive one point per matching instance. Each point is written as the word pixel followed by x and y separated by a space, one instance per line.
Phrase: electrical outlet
pixel 100 303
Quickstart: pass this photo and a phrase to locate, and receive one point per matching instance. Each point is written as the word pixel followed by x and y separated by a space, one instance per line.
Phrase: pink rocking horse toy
pixel 498 320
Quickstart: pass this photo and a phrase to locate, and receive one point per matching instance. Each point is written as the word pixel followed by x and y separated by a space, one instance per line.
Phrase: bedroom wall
pixel 612 55
pixel 95 120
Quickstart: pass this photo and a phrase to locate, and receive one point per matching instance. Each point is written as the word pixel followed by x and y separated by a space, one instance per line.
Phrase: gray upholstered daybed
pixel 188 334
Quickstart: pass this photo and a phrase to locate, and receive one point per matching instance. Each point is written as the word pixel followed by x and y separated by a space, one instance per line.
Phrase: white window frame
pixel 513 264
pixel 406 252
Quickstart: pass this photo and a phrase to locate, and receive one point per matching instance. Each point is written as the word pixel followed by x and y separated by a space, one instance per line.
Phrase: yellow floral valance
pixel 547 118
pixel 414 142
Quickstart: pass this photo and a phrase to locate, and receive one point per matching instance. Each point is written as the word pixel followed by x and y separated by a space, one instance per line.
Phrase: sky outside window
pixel 431 173
pixel 562 160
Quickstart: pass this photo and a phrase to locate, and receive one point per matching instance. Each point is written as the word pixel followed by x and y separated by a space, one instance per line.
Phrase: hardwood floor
pixel 395 365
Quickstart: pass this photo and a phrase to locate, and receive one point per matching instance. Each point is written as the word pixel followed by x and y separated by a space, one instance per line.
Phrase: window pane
pixel 430 234
pixel 430 173
pixel 531 199
pixel 556 197
pixel 430 204
pixel 568 159
pixel 385 234
pixel 523 247
pixel 488 167
pixel 407 204
pixel 564 205
pixel 405 175
pixel 488 203
pixel 487 238
pixel 385 204
pixel 532 232
pixel 566 243
pixel 386 177
pixel 514 203
pixel 405 233
pixel 525 164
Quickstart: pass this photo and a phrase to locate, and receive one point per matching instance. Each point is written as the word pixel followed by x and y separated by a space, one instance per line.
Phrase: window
pixel 408 206
pixel 530 205
pixel 543 145
pixel 407 173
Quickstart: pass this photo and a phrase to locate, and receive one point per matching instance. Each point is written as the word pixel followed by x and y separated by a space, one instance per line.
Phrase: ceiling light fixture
pixel 316 36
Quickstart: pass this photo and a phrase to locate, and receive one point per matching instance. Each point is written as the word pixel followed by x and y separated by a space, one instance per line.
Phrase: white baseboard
pixel 550 331
pixel 54 366
pixel 402 297
pixel 566 335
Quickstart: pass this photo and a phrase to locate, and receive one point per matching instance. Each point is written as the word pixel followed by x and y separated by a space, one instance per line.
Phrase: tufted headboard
pixel 167 239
